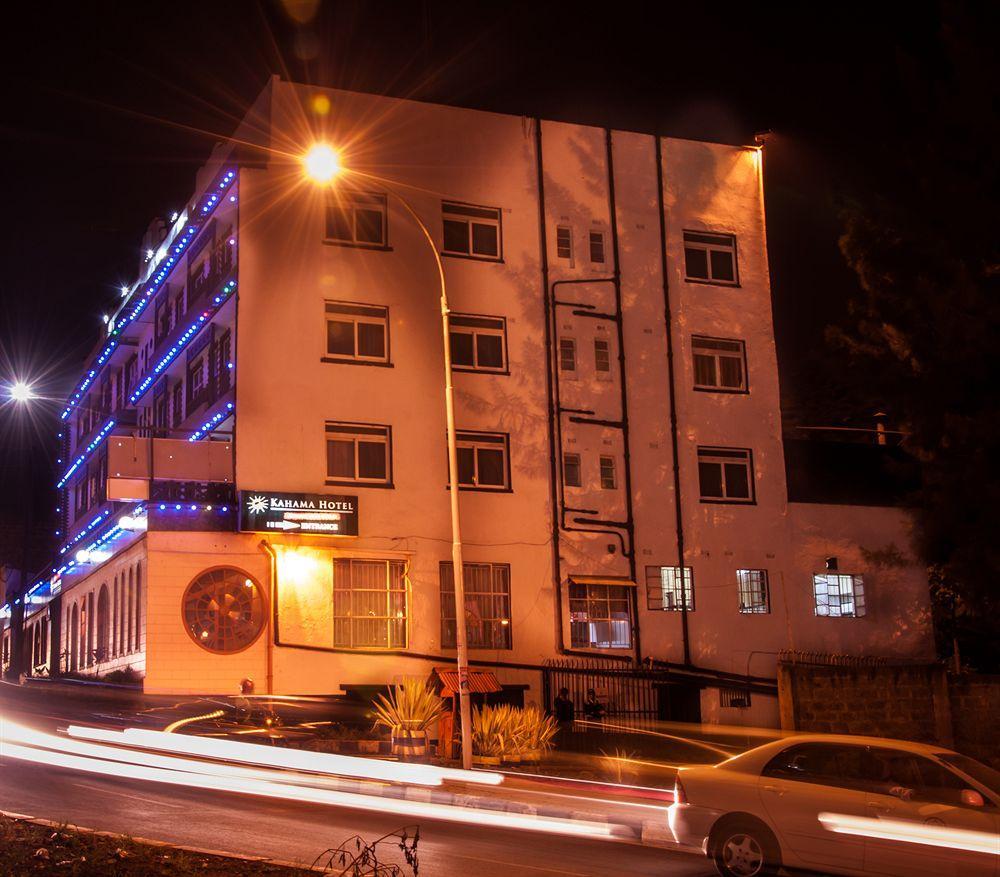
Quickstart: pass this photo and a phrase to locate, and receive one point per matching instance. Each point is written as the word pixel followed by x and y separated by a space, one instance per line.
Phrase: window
pixel 725 475
pixel 177 404
pixel 825 764
pixel 196 376
pixel 571 470
pixel 358 453
pixel 471 231
pixel 357 333
pixel 753 590
pixel 369 604
pixel 597 247
pixel 602 359
pixel 564 242
pixel 599 616
pixel 719 364
pixel 710 258
pixel 359 218
pixel 567 355
pixel 666 589
pixel 223 610
pixel 478 343
pixel 487 605
pixel 483 460
pixel 839 596
pixel 609 479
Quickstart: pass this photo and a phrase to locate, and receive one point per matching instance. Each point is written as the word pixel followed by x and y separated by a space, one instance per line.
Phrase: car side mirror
pixel 972 798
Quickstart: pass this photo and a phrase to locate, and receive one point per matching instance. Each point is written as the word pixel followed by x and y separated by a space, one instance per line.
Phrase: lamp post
pixel 20 394
pixel 322 165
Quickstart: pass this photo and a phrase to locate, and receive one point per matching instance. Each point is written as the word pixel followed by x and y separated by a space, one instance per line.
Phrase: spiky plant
pixel 412 705
pixel 538 729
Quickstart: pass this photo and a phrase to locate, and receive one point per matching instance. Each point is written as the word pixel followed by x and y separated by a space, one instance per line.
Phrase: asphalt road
pixel 299 832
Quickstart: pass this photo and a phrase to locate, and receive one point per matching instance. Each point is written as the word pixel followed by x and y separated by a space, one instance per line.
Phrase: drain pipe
pixel 272 627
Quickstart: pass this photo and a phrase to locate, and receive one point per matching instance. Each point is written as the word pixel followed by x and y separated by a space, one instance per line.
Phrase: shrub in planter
pixel 407 713
pixel 537 732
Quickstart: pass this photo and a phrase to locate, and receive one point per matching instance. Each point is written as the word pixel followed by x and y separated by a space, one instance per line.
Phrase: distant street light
pixel 21 391
pixel 322 165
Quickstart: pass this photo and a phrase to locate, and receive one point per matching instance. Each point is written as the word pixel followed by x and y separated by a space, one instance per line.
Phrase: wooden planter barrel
pixel 409 742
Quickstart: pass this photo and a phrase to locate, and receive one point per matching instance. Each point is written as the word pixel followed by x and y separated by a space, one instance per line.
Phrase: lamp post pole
pixel 461 636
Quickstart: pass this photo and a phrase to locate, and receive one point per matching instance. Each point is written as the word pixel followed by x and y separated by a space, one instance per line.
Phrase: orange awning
pixel 480 681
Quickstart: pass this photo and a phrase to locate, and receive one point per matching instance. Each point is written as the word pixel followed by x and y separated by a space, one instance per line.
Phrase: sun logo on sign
pixel 257 504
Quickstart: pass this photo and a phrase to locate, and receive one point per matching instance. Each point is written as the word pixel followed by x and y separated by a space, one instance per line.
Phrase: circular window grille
pixel 223 610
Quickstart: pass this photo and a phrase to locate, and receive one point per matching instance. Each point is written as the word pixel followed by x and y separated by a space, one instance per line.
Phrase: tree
pixel 924 333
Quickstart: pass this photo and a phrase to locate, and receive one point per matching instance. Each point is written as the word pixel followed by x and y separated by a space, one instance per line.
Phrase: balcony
pixel 136 462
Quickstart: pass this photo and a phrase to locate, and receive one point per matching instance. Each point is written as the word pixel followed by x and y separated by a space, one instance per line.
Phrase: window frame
pixel 708 247
pixel 564 248
pixel 352 200
pixel 597 236
pixel 579 469
pixel 388 618
pixel 359 432
pixel 475 331
pixel 356 313
pixel 613 461
pixel 602 374
pixel 476 439
pixel 857 590
pixel 715 455
pixel 492 596
pixel 745 589
pixel 592 596
pixel 743 389
pixel 461 211
pixel 668 597
pixel 568 343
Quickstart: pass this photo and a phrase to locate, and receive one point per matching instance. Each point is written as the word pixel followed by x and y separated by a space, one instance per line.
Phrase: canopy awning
pixel 480 681
pixel 603 580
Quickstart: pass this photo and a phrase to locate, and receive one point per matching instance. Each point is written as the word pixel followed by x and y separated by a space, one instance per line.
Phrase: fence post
pixel 786 696
pixel 941 698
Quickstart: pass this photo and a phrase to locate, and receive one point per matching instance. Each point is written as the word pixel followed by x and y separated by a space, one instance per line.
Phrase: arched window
pixel 103 624
pixel 122 620
pixel 74 639
pixel 223 610
pixel 115 645
pixel 130 640
pixel 91 645
pixel 138 606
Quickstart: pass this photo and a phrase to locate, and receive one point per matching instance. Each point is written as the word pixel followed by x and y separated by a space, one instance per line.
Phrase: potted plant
pixel 538 730
pixel 407 712
pixel 488 738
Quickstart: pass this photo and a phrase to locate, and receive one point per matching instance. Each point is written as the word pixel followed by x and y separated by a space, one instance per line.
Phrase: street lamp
pixel 22 391
pixel 322 165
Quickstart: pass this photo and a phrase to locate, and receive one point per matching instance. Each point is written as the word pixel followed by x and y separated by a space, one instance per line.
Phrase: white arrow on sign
pixel 284 525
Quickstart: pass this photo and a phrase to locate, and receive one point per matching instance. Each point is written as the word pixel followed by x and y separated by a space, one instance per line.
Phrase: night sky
pixel 108 109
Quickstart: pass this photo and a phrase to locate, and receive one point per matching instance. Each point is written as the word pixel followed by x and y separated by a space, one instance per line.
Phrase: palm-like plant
pixel 491 728
pixel 538 729
pixel 412 706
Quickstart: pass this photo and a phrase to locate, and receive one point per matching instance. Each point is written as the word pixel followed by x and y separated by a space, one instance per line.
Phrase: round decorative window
pixel 223 610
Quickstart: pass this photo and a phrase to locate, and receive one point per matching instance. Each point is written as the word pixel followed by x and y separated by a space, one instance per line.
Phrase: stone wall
pixel 908 702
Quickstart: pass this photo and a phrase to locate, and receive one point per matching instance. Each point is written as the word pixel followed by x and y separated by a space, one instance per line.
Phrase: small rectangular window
pixel 600 616
pixel 668 589
pixel 357 333
pixel 564 242
pixel 609 479
pixel 567 355
pixel 571 470
pixel 358 453
pixel 839 596
pixel 483 460
pixel 719 364
pixel 597 247
pixel 471 231
pixel 487 605
pixel 725 475
pixel 177 404
pixel 602 359
pixel 753 591
pixel 359 218
pixel 478 343
pixel 710 258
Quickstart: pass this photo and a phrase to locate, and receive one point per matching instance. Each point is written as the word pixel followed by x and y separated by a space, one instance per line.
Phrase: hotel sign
pixel 313 513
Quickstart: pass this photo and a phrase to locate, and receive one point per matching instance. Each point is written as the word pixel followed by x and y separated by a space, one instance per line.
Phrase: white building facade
pixel 255 483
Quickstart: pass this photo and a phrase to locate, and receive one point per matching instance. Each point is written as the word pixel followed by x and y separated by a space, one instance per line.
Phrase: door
pixel 924 826
pixel 805 781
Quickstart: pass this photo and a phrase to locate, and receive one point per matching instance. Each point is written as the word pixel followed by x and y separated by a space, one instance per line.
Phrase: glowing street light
pixel 21 391
pixel 322 163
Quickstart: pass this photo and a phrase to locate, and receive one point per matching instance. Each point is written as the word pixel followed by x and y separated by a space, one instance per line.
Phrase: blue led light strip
pixel 212 423
pixel 101 517
pixel 162 271
pixel 182 342
pixel 100 437
pixel 191 507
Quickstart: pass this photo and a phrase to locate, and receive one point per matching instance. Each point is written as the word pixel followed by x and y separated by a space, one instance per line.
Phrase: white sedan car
pixel 842 805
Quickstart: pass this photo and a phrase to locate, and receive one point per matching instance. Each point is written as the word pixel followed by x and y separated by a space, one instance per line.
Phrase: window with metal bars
pixel 838 595
pixel 600 616
pixel 487 605
pixel 668 590
pixel 369 604
pixel 753 591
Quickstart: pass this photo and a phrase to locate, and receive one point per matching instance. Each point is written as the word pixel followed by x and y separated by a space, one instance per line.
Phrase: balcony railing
pixel 135 462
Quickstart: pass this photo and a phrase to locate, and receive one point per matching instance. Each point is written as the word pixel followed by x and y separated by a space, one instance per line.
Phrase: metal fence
pixel 621 689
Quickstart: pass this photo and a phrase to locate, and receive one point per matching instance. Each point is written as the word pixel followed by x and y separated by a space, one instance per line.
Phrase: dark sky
pixel 108 108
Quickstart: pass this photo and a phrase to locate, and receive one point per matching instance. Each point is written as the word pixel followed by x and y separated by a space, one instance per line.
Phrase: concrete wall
pixel 975 716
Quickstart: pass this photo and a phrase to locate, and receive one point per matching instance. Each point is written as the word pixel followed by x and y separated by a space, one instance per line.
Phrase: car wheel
pixel 745 849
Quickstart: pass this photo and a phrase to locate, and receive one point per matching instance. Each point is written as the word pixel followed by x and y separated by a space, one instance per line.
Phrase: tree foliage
pixel 924 333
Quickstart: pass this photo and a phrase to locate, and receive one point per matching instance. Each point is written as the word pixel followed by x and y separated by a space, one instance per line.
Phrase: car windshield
pixel 975 769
